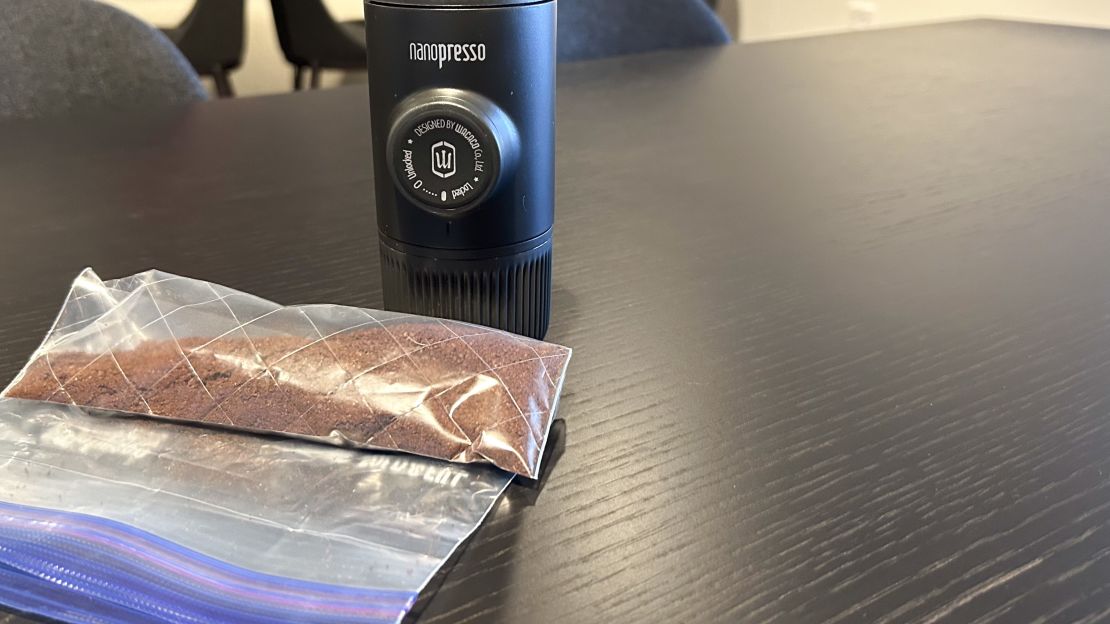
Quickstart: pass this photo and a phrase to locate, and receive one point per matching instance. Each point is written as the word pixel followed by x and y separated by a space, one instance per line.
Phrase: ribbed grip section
pixel 511 293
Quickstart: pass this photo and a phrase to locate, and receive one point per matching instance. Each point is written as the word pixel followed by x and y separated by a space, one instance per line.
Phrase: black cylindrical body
pixel 462 104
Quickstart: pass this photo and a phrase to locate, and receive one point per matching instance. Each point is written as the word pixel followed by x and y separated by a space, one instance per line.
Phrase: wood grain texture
pixel 841 312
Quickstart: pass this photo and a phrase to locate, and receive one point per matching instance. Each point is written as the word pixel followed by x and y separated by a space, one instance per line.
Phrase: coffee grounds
pixel 439 389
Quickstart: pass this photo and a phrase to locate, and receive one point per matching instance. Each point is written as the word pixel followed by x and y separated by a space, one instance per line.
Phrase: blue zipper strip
pixel 137 572
pixel 32 595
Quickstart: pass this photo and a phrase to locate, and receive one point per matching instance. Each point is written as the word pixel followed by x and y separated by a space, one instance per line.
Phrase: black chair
pixel 310 37
pixel 211 37
pixel 65 56
pixel 591 29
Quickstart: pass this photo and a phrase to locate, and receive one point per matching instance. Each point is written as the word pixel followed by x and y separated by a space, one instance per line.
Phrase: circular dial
pixel 444 149
pixel 444 161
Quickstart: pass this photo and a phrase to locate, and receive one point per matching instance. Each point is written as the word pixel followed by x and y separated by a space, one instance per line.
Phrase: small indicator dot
pixel 443 196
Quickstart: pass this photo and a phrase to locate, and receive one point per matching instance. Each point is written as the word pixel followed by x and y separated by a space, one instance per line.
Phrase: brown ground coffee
pixel 440 389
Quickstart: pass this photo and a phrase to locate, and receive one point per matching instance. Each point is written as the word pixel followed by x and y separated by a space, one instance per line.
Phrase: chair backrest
pixel 59 56
pixel 307 32
pixel 211 35
pixel 590 29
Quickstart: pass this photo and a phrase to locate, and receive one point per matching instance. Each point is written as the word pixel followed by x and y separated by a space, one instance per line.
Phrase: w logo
pixel 443 159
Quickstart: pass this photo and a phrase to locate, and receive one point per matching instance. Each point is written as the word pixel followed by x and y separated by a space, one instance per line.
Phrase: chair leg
pixel 298 74
pixel 223 82
pixel 315 75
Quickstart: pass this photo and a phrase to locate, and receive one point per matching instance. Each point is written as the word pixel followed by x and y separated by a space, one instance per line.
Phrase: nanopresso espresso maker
pixel 462 106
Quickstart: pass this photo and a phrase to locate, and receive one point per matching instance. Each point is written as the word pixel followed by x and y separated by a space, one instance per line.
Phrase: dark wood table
pixel 841 309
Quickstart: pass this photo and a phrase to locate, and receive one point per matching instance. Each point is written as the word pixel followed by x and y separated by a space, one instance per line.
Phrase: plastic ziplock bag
pixel 111 518
pixel 185 349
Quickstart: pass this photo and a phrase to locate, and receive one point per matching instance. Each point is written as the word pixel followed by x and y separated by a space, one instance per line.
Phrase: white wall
pixel 777 19
pixel 1076 12
pixel 265 70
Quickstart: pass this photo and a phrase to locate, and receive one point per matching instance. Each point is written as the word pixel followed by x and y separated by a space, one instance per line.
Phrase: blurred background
pixel 264 69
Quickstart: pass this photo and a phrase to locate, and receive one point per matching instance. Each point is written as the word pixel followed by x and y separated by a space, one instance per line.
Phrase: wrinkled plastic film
pixel 143 517
pixel 185 349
